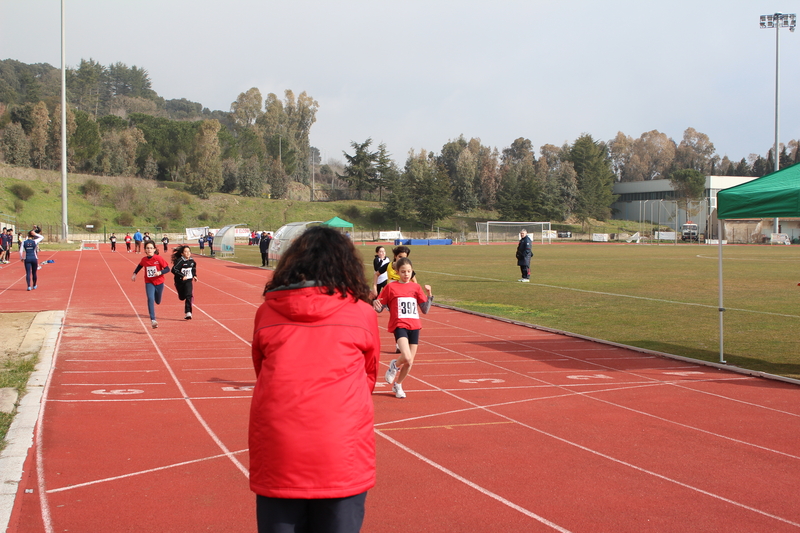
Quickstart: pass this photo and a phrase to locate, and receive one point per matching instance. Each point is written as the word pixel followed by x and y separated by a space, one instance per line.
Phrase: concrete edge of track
pixel 721 366
pixel 19 439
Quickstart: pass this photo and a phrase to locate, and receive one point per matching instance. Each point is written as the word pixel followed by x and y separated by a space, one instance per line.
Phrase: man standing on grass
pixel 524 254
pixel 264 248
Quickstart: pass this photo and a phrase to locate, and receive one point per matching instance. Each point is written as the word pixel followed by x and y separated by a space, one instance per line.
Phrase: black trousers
pixel 264 259
pixel 184 289
pixel 330 515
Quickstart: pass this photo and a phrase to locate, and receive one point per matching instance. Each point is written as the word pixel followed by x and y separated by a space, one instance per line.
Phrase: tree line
pixel 118 125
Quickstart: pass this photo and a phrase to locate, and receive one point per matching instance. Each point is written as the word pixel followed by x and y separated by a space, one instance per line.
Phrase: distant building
pixel 654 202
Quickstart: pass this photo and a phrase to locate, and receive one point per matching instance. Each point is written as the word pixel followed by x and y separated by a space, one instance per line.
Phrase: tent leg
pixel 721 308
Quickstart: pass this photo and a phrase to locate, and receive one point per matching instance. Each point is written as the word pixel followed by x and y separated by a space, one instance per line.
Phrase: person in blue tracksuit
pixel 29 254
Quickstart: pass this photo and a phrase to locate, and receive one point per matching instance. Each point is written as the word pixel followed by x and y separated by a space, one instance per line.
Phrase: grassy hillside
pixel 116 203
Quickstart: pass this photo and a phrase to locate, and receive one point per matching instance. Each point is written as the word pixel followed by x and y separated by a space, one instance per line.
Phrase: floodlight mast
pixel 64 225
pixel 787 20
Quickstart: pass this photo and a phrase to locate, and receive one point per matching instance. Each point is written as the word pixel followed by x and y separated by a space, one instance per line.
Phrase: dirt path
pixel 13 328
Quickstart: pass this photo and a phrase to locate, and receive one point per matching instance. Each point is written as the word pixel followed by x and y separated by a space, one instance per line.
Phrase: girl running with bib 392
pixel 405 299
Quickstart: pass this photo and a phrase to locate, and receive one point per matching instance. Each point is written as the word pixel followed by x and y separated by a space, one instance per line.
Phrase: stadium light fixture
pixel 778 21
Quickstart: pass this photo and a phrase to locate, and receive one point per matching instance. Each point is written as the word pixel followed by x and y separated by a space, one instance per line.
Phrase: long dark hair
pixel 326 256
pixel 177 253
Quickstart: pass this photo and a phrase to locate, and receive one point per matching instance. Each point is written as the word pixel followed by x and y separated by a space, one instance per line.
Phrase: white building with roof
pixel 654 202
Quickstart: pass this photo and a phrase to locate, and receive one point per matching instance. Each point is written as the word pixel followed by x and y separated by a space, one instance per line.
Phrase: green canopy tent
pixel 337 222
pixel 775 195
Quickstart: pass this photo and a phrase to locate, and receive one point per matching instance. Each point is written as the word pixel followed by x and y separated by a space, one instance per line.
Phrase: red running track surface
pixel 505 427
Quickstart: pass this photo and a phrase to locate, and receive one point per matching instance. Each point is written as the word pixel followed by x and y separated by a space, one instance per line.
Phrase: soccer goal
pixel 492 231
pixel 90 245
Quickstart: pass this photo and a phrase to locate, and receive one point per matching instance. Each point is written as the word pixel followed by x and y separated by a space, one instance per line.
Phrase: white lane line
pixel 44 503
pixel 109 384
pixel 606 368
pixel 616 460
pixel 472 485
pixel 676 383
pixel 245 368
pixel 141 472
pixel 211 358
pixel 108 371
pixel 177 382
pixel 109 360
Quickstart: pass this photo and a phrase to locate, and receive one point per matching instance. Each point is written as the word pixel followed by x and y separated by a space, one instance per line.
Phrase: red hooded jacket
pixel 311 417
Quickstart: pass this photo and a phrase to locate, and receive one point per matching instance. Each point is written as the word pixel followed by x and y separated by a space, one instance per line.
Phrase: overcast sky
pixel 417 73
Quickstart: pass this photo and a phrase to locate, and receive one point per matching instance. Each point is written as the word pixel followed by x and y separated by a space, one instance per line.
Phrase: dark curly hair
pixel 326 256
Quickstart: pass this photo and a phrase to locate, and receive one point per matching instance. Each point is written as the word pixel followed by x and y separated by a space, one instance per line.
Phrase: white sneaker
pixel 392 372
pixel 188 316
pixel 154 324
pixel 398 391
pixel 521 279
pixel 526 280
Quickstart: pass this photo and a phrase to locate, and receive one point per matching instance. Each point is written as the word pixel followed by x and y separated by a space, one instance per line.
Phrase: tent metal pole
pixel 721 308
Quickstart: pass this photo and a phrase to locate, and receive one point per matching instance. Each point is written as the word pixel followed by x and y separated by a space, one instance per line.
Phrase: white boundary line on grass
pixel 601 293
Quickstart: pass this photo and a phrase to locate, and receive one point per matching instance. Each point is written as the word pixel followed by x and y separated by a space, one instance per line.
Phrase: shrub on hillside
pixel 21 191
pixel 125 219
pixel 352 211
pixel 18 205
pixel 203 216
pixel 127 198
pixel 377 216
pixel 91 188
pixel 174 212
pixel 92 191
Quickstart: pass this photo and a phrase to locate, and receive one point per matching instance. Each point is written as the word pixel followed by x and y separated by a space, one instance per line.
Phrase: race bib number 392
pixel 407 308
pixel 151 271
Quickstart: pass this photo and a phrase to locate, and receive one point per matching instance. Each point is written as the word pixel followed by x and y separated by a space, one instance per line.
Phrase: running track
pixel 505 428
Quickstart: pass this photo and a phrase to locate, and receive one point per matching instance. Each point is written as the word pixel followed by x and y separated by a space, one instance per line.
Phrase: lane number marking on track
pixel 484 380
pixel 237 389
pixel 586 377
pixel 684 374
pixel 117 392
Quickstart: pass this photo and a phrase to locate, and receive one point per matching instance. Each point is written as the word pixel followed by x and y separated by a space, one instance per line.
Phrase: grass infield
pixel 659 297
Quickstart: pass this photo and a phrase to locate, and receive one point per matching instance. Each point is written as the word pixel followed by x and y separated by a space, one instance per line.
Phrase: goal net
pixel 490 231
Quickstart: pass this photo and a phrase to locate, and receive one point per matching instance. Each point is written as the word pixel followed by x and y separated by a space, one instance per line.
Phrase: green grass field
pixel 662 298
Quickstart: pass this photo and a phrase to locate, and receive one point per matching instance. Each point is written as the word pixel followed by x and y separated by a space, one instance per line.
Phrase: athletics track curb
pixel 47 327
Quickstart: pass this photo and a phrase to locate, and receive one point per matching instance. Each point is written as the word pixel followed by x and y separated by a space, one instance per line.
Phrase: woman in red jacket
pixel 315 352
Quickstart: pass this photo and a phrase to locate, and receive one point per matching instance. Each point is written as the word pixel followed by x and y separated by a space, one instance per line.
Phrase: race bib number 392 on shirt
pixel 407 308
pixel 151 271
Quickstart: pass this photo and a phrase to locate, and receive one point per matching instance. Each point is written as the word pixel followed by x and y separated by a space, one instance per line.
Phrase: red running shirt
pixel 403 301
pixel 153 266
